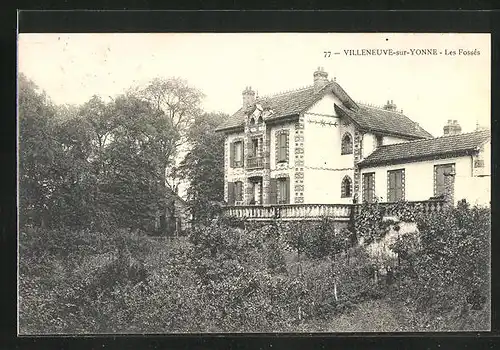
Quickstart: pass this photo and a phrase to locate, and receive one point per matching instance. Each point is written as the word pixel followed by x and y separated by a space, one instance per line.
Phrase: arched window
pixel 260 120
pixel 252 121
pixel 346 190
pixel 346 144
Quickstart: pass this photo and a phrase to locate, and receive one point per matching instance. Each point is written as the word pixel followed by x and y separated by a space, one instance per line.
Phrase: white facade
pixel 316 167
pixel 324 166
pixel 419 178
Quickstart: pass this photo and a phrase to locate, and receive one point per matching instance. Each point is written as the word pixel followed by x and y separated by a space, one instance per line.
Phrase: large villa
pixel 315 152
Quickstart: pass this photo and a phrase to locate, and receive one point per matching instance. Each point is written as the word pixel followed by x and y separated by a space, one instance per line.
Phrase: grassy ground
pixel 371 316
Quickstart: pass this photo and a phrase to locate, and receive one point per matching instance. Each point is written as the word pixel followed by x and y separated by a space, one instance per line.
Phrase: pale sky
pixel 430 89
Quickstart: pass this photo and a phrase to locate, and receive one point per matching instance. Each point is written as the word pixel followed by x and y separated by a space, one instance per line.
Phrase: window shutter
pixel 238 190
pixel 277 148
pixel 390 186
pixel 285 153
pixel 230 193
pixel 368 187
pixel 287 190
pixel 397 185
pixel 400 185
pixel 231 155
pixel 242 160
pixel 365 188
pixel 439 178
pixel 280 147
pixel 273 191
pixel 372 188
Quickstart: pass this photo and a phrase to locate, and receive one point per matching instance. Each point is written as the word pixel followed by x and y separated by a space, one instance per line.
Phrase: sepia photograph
pixel 173 183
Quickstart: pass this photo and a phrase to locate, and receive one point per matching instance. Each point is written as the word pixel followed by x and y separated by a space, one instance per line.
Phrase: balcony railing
pixel 426 207
pixel 340 212
pixel 255 162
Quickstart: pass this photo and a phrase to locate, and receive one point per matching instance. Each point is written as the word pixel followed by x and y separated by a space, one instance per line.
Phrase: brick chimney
pixel 452 128
pixel 390 106
pixel 320 79
pixel 248 97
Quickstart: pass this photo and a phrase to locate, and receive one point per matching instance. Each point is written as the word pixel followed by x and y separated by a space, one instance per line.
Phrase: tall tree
pixel 203 167
pixel 142 147
pixel 56 181
pixel 37 152
pixel 181 105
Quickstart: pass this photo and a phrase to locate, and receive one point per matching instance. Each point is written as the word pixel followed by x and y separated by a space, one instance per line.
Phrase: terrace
pixel 337 212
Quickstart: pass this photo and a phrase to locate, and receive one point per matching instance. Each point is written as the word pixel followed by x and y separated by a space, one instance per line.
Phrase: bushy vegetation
pixel 96 256
pixel 227 279
pixel 218 279
pixel 446 282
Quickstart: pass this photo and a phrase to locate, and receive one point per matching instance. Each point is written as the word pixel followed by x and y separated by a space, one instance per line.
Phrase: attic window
pixel 346 144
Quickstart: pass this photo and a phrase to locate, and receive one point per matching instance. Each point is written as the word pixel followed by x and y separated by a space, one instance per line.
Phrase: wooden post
pixel 335 289
pixel 299 266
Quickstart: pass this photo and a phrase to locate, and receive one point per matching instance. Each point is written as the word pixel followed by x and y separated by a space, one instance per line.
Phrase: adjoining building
pixel 316 146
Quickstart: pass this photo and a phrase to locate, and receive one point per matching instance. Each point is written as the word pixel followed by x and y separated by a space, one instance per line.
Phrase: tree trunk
pixel 163 224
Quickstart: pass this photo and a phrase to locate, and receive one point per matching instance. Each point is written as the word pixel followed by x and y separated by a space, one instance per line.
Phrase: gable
pixel 325 106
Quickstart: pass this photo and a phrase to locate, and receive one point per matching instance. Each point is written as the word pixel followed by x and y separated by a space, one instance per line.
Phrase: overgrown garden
pixel 97 253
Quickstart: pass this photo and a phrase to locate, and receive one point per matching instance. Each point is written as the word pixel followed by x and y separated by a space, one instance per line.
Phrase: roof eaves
pixel 282 119
pixel 395 133
pixel 458 153
pixel 344 97
pixel 340 110
pixel 229 129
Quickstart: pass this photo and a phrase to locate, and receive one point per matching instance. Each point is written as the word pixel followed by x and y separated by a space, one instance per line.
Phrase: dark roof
pixel 283 105
pixel 295 102
pixel 288 104
pixel 384 121
pixel 452 145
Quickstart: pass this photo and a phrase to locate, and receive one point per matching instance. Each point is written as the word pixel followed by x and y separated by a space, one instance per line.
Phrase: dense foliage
pixel 229 279
pixel 369 225
pixel 97 180
pixel 103 163
pixel 447 280
pixel 203 167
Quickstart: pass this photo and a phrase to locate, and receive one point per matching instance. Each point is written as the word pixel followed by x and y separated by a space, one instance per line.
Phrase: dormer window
pixel 346 144
pixel 380 140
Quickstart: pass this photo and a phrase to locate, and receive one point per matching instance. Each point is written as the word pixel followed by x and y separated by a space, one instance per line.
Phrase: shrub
pixel 449 274
pixel 368 223
pixel 317 239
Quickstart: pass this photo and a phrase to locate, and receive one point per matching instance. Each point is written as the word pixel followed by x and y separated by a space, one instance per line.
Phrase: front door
pixel 256 191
